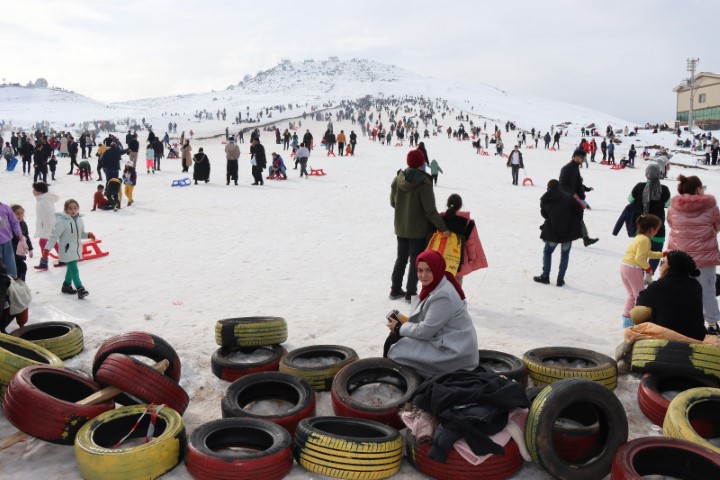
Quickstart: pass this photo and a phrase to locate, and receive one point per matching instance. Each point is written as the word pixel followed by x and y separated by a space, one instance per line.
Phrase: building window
pixel 701 98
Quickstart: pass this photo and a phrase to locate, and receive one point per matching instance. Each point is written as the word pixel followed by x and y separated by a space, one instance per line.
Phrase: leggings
pixel 72 274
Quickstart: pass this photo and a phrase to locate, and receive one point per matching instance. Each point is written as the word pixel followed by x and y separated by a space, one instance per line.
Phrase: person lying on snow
pixel 439 336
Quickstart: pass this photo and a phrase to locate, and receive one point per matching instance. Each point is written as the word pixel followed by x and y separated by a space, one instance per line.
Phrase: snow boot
pixel 82 293
pixel 560 282
pixel 67 288
pixel 627 322
pixel 396 293
pixel 541 279
pixel 43 264
pixel 587 241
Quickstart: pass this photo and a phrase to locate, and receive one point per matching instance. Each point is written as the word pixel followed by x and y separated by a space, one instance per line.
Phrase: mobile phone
pixel 393 315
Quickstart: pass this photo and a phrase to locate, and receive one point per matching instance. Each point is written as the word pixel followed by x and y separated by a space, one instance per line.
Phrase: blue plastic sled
pixel 182 182
pixel 13 163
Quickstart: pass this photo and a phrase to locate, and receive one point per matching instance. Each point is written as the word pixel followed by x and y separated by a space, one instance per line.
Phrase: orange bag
pixel 450 248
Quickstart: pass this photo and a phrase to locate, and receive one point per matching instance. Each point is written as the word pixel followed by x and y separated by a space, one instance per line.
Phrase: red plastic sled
pixel 316 172
pixel 91 249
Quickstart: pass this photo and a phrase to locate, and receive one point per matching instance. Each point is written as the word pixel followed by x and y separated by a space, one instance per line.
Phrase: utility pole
pixel 691 64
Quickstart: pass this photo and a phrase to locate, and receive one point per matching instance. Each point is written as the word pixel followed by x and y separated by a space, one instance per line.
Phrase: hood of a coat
pixel 693 205
pixel 553 196
pixel 412 178
pixel 51 197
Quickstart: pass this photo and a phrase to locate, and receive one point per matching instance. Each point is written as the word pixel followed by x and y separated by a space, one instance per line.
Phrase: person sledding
pixel 277 168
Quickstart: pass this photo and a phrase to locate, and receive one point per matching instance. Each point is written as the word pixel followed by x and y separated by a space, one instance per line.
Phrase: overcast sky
pixel 622 57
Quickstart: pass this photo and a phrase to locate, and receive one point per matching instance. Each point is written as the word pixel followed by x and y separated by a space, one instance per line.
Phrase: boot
pixel 587 241
pixel 67 288
pixel 82 293
pixel 43 264
pixel 542 279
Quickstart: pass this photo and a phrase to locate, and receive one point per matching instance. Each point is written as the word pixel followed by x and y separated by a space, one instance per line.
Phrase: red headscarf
pixel 436 262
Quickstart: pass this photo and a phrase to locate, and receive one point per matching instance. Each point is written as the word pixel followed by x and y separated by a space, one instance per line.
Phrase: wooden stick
pixel 97 397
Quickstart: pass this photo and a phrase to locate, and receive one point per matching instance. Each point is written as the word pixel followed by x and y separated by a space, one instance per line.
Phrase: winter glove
pixel 648 279
pixel 91 236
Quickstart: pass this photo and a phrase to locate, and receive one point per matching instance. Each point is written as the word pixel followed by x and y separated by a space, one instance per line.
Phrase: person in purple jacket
pixel 9 227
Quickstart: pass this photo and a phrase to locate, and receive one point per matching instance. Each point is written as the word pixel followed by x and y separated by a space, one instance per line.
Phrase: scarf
pixel 653 189
pixel 436 262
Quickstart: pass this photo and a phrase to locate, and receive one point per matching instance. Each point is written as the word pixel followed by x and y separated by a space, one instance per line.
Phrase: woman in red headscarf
pixel 439 336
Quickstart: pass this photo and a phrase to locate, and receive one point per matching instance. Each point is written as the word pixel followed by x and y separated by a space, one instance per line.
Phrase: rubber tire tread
pixel 64 346
pixel 251 331
pixel 667 356
pixel 367 371
pixel 677 424
pixel 259 386
pixel 604 373
pixel 675 458
pixel 142 344
pixel 230 371
pixel 496 467
pixel 654 405
pixel 348 457
pixel 518 370
pixel 545 410
pixel 11 362
pixel 319 378
pixel 41 415
pixel 141 381
pixel 145 461
pixel 271 463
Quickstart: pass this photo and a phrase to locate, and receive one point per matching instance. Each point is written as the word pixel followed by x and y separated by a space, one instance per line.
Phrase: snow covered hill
pixel 308 84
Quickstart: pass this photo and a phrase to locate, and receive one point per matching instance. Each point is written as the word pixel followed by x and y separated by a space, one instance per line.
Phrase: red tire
pixel 141 381
pixel 654 404
pixel 643 457
pixel 270 386
pixel 225 367
pixel 266 455
pixel 142 344
pixel 370 371
pixel 40 401
pixel 497 467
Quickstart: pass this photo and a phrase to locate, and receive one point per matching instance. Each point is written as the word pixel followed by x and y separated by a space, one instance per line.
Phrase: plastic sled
pixel 618 166
pixel 181 182
pixel 77 171
pixel 316 172
pixel 275 177
pixel 553 149
pixel 529 147
pixel 484 153
pixel 527 180
pixel 504 155
pixel 12 164
pixel 329 153
pixel 90 250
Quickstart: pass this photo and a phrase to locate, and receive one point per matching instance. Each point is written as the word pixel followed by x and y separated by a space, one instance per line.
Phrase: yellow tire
pixel 552 364
pixel 703 401
pixel 64 339
pixel 98 460
pixel 251 331
pixel 317 364
pixel 16 353
pixel 349 448
pixel 666 356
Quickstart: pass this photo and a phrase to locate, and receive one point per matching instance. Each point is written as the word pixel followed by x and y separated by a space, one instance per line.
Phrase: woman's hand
pixel 393 325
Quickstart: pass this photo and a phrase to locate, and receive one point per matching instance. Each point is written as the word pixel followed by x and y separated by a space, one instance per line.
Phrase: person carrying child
pixel 23 248
pixel 99 199
pixel 69 231
pixel 130 180
pixel 434 170
pixel 472 255
pixel 635 261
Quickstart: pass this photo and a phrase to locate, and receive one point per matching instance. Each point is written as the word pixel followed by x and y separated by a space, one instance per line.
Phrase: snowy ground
pixel 319 253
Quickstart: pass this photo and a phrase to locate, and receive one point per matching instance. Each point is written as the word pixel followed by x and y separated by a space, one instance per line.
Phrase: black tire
pixel 251 331
pixel 225 368
pixel 270 386
pixel 350 448
pixel 548 407
pixel 504 364
pixel 267 452
pixel 600 368
pixel 64 339
pixel 643 457
pixel 98 460
pixel 320 377
pixel 533 392
pixel 368 371
pixel 681 358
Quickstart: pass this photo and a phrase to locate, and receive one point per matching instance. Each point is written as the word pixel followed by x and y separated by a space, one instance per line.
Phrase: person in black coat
pixel 201 167
pixel 158 152
pixel 563 224
pixel 652 197
pixel 257 153
pixel 41 155
pixel 308 140
pixel 675 300
pixel 111 161
pixel 571 182
pixel 26 150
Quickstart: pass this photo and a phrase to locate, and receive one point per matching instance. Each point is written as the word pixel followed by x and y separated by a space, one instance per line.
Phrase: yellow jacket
pixel 638 253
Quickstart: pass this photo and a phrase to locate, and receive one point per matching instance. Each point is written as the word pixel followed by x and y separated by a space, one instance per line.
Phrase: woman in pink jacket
pixel 694 220
pixel 460 223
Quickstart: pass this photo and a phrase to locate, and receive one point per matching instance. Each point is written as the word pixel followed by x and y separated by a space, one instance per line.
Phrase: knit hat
pixel 580 152
pixel 681 262
pixel 415 159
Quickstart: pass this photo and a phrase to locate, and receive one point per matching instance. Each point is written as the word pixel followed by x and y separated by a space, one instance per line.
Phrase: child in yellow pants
pixel 130 180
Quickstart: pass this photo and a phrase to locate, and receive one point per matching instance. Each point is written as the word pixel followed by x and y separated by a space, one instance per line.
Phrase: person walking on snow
pixel 571 183
pixel 515 161
pixel 434 170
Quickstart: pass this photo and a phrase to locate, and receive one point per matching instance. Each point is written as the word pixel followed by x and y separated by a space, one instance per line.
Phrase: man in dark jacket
pixel 563 224
pixel 158 152
pixel 572 183
pixel 308 140
pixel 134 147
pixel 41 155
pixel 353 141
pixel 416 217
pixel 72 151
pixel 111 161
pixel 515 161
pixel 257 152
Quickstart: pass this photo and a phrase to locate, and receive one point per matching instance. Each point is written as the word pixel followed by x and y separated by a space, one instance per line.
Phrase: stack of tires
pixel 248 345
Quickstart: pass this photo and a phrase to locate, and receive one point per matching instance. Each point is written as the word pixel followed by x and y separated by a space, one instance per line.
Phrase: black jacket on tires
pixel 676 302
pixel 563 217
